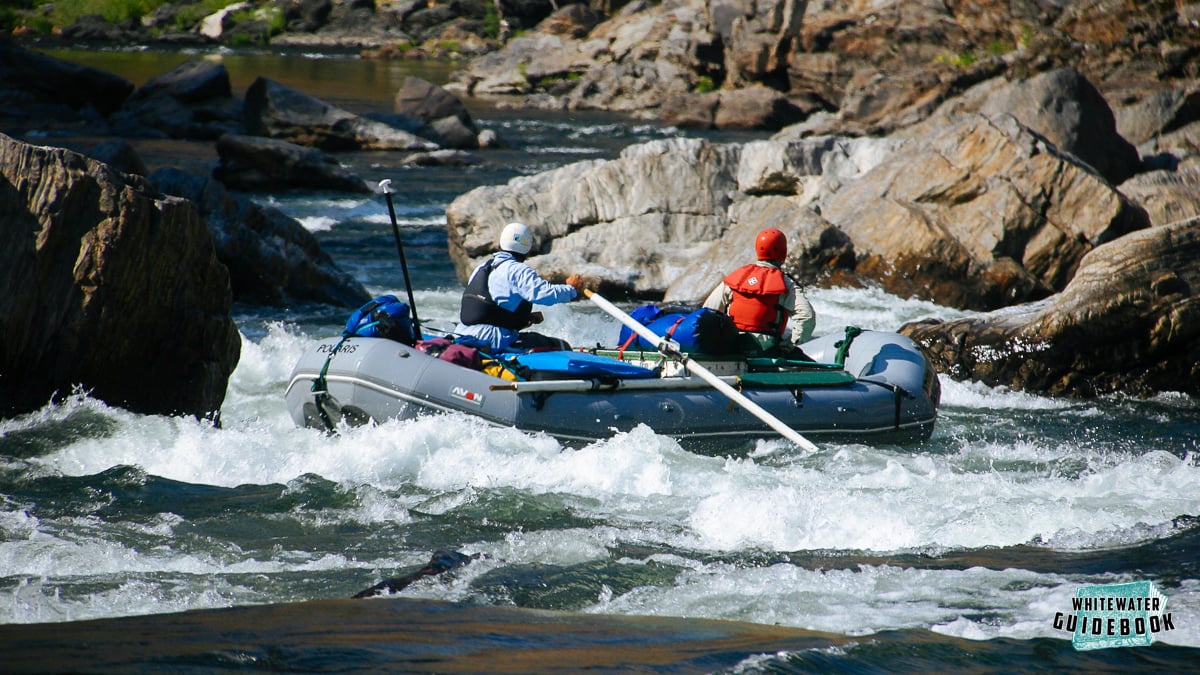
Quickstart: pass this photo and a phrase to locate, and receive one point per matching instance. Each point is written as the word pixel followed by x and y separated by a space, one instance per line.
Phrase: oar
pixel 670 349
pixel 386 186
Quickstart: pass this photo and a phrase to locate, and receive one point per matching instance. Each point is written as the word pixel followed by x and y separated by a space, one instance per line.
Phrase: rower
pixel 761 298
pixel 497 304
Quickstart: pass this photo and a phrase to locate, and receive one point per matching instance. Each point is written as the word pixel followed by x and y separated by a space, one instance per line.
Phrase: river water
pixel 984 533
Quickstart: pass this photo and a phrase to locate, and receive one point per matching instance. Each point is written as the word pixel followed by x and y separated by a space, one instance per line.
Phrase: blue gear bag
pixel 386 317
pixel 702 330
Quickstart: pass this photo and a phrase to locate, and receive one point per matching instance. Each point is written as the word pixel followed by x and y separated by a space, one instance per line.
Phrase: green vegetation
pixel 963 60
pixel 10 13
pixel 1026 38
pixel 67 12
pixel 271 17
pixel 491 23
pixel 704 85
pixel 999 47
pixel 64 13
pixel 190 15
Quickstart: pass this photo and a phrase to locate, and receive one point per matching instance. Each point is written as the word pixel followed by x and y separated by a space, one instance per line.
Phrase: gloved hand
pixel 536 318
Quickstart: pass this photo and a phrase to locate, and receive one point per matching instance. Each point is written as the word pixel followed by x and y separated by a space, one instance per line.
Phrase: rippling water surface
pixel 985 532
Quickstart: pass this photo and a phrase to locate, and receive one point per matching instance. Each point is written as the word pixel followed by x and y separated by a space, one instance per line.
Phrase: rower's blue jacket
pixel 510 283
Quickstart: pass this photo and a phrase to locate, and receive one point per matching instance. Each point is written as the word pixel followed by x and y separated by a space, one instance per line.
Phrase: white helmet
pixel 516 238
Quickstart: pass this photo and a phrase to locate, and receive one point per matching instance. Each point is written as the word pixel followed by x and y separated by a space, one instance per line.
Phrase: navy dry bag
pixel 702 330
pixel 385 317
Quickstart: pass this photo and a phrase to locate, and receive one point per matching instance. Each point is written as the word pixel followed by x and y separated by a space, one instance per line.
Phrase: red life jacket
pixel 757 291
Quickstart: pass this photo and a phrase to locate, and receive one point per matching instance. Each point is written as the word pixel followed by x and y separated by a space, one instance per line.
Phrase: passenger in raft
pixel 761 298
pixel 498 301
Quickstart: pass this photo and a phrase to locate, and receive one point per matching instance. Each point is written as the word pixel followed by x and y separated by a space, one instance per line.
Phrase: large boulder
pixel 107 285
pixel 427 101
pixel 1129 322
pixel 982 213
pixel 1067 109
pixel 36 89
pixel 253 163
pixel 272 259
pixel 442 111
pixel 192 101
pixel 632 222
pixel 276 111
pixel 979 213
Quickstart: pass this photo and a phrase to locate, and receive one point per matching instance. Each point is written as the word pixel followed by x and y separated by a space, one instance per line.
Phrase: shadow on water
pixel 403 635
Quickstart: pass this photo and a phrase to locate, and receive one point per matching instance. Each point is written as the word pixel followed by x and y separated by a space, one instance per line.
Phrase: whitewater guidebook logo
pixel 1115 615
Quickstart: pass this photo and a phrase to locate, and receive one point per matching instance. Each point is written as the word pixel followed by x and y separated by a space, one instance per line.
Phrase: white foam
pixel 639 488
pixel 318 223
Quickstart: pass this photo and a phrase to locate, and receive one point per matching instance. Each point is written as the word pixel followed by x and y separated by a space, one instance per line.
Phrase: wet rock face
pixel 107 285
pixel 1128 322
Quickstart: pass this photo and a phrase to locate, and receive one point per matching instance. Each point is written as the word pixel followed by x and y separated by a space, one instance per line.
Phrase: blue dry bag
pixel 702 330
pixel 385 317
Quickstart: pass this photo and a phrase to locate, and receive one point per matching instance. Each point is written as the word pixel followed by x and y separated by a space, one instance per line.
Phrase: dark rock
pixel 427 101
pixel 107 285
pixel 46 80
pixel 1066 108
pixel 94 28
pixel 271 257
pixel 448 120
pixel 195 81
pixel 451 132
pixel 307 15
pixel 1129 322
pixel 526 13
pixel 441 561
pixel 120 155
pixel 276 111
pixel 253 163
pixel 161 115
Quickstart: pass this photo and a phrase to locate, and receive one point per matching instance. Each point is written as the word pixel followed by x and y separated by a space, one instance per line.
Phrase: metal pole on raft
pixel 386 186
pixel 670 349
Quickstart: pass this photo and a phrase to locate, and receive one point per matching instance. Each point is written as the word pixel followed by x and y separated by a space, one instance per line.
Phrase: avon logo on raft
pixel 1115 615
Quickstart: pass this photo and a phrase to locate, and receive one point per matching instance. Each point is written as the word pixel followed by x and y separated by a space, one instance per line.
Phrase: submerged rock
pixel 441 561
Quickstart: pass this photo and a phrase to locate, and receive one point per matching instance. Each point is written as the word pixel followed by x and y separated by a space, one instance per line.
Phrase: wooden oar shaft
pixel 671 350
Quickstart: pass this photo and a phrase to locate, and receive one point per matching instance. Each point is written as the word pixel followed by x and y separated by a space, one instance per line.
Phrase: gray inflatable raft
pixel 868 386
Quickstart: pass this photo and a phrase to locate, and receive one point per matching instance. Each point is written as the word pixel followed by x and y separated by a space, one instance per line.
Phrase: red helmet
pixel 771 244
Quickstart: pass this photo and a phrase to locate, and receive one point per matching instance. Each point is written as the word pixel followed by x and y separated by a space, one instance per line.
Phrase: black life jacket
pixel 479 307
